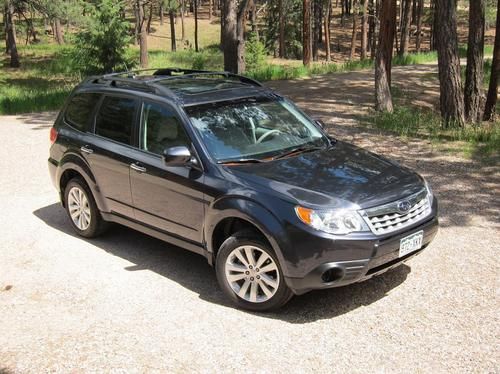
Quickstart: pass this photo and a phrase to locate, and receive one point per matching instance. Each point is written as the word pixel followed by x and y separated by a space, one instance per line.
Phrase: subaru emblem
pixel 404 206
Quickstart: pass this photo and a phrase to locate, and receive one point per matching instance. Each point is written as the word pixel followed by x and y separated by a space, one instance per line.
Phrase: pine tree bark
pixel 405 28
pixel 11 40
pixel 450 81
pixel 196 25
pixel 281 32
pixel 171 15
pixel 354 33
pixel 316 29
pixel 183 29
pixel 491 99
pixel 364 30
pixel 327 30
pixel 233 35
pixel 383 60
pixel 419 16
pixel 473 90
pixel 58 33
pixel 143 36
pixel 306 33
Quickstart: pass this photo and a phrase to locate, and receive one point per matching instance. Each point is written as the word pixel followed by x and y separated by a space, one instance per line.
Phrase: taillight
pixel 53 135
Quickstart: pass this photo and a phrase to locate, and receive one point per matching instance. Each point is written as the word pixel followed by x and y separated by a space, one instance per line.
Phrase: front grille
pixel 388 218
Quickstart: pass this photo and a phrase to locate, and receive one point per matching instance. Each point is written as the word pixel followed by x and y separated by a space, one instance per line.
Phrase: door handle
pixel 86 149
pixel 138 168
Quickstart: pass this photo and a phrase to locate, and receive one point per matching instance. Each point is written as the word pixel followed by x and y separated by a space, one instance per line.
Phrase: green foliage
pixel 279 72
pixel 101 46
pixel 292 10
pixel 255 53
pixel 482 141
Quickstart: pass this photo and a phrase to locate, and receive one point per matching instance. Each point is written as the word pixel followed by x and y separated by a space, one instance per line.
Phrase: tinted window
pixel 80 109
pixel 115 119
pixel 161 129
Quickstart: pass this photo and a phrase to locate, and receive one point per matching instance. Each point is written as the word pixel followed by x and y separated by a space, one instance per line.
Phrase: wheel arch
pixel 232 214
pixel 72 166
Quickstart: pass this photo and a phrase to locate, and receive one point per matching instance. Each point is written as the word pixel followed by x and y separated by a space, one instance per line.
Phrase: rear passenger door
pixel 110 151
pixel 168 198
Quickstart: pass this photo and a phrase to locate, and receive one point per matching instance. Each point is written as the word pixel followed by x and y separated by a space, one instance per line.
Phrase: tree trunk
pixel 161 13
pixel 419 16
pixel 143 36
pixel 233 37
pixel 11 40
pixel 354 34
pixel 281 36
pixel 58 33
pixel 383 61
pixel 375 19
pixel 450 81
pixel 316 29
pixel 405 28
pixel 222 23
pixel 150 19
pixel 5 26
pixel 171 15
pixel 210 9
pixel 196 25
pixel 434 26
pixel 183 29
pixel 364 30
pixel 137 25
pixel 327 30
pixel 491 99
pixel 473 90
pixel 306 32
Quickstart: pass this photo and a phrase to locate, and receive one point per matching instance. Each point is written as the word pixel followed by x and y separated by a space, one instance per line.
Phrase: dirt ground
pixel 129 303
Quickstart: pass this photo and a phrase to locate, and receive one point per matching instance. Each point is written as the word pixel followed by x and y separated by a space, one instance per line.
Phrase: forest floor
pixel 128 302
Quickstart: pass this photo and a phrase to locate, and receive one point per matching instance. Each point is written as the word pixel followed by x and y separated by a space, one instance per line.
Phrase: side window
pixel 80 109
pixel 115 119
pixel 161 129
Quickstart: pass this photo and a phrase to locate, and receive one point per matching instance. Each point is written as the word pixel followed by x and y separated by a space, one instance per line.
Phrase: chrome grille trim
pixel 386 218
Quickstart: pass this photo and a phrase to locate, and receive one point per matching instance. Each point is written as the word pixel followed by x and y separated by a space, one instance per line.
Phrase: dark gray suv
pixel 220 165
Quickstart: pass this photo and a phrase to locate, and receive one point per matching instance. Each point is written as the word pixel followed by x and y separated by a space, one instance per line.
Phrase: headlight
pixel 430 195
pixel 332 221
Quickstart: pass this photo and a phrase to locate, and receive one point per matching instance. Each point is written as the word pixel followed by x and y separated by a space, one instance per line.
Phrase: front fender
pixel 73 161
pixel 253 212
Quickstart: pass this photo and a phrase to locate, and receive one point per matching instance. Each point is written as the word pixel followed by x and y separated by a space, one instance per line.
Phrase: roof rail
pixel 165 74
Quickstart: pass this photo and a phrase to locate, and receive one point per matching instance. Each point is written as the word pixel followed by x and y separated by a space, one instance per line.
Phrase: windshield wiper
pixel 301 149
pixel 240 161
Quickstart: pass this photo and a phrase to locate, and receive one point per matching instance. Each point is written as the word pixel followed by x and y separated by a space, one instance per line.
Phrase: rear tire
pixel 82 209
pixel 249 273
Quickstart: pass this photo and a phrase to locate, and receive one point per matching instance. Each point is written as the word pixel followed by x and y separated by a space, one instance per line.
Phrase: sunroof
pixel 193 85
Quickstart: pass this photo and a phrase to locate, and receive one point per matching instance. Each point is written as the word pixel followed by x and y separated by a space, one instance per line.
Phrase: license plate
pixel 411 243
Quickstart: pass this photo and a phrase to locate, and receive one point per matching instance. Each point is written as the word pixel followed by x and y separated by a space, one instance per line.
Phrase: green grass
pixel 479 141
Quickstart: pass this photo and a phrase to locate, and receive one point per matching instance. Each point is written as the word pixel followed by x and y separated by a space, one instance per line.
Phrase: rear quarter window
pixel 115 119
pixel 80 109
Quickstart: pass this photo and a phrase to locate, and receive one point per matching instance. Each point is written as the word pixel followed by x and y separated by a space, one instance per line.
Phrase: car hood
pixel 342 176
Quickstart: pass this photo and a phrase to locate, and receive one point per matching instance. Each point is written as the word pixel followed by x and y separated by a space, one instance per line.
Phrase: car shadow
pixel 193 272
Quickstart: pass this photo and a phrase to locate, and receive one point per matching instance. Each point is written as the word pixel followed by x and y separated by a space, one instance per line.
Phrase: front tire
pixel 82 209
pixel 249 273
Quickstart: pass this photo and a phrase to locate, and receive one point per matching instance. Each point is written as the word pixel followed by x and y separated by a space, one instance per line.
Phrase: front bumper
pixel 382 255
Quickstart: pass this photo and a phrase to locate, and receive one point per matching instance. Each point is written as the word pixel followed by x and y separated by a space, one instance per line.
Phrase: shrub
pixel 101 46
pixel 255 53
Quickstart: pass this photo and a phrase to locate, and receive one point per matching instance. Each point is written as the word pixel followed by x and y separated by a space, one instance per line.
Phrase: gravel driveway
pixel 130 303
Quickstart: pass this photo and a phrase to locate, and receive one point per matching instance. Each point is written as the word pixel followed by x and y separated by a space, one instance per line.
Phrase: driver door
pixel 168 198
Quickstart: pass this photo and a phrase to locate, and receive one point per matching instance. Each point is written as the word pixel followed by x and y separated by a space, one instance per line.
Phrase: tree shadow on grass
pixel 193 272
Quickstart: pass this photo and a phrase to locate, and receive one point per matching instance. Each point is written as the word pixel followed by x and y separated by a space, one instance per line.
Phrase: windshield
pixel 254 128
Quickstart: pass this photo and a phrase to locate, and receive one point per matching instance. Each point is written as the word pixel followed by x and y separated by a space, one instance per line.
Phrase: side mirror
pixel 177 156
pixel 320 123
